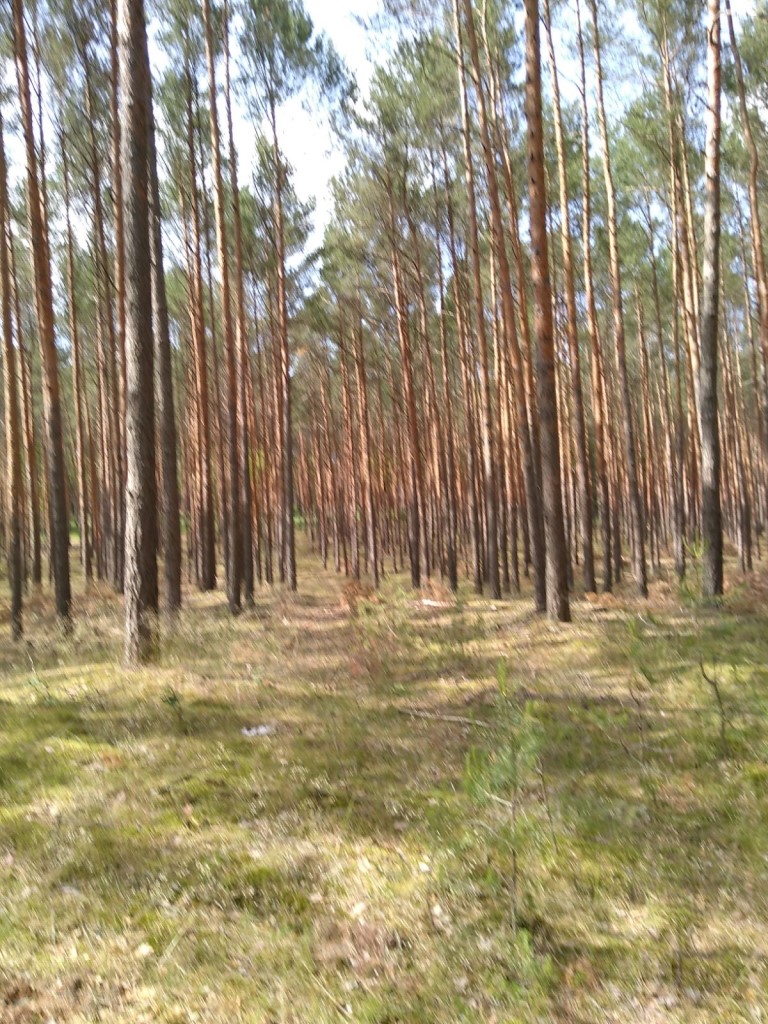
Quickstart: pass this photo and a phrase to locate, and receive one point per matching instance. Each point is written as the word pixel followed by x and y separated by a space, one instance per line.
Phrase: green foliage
pixel 510 764
pixel 284 52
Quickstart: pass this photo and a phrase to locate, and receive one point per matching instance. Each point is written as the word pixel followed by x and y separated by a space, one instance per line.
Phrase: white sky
pixel 305 137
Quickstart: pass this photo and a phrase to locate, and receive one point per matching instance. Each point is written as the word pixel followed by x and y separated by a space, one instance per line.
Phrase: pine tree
pixel 141 586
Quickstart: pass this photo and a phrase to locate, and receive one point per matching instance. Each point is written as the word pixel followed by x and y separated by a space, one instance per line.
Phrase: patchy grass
pixel 454 811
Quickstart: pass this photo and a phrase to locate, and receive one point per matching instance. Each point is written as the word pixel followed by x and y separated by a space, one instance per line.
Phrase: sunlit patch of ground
pixel 396 808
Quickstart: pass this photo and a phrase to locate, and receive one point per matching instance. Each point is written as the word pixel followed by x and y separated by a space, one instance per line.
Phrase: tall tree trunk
pixel 57 485
pixel 170 522
pixel 197 326
pixel 473 515
pixel 234 540
pixel 30 427
pixel 572 329
pixel 371 531
pixel 78 381
pixel 598 373
pixel 417 539
pixel 141 591
pixel 111 353
pixel 669 420
pixel 117 338
pixel 11 401
pixel 556 567
pixel 242 355
pixel 288 529
pixel 711 521
pixel 450 468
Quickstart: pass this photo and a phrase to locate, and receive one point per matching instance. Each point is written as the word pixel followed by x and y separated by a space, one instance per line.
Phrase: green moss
pixel 344 859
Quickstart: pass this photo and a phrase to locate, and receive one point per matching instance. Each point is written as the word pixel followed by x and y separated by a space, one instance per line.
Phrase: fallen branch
pixel 434 717
pixel 714 685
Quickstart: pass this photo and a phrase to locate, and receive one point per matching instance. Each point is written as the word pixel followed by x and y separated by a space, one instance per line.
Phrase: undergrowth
pixel 416 810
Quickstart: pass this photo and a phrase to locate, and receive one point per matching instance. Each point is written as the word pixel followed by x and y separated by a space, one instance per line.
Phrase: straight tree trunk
pixel 197 326
pixel 572 329
pixel 473 515
pixel 598 374
pixel 57 485
pixel 234 540
pixel 141 590
pixel 111 353
pixel 30 427
pixel 170 521
pixel 12 423
pixel 371 531
pixel 416 537
pixel 711 520
pixel 117 337
pixel 556 559
pixel 450 494
pixel 78 382
pixel 288 528
pixel 242 354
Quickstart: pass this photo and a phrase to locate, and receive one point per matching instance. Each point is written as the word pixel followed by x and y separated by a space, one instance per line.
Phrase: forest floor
pixel 409 810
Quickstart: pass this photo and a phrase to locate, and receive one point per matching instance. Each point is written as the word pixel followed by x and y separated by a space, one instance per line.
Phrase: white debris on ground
pixel 258 730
